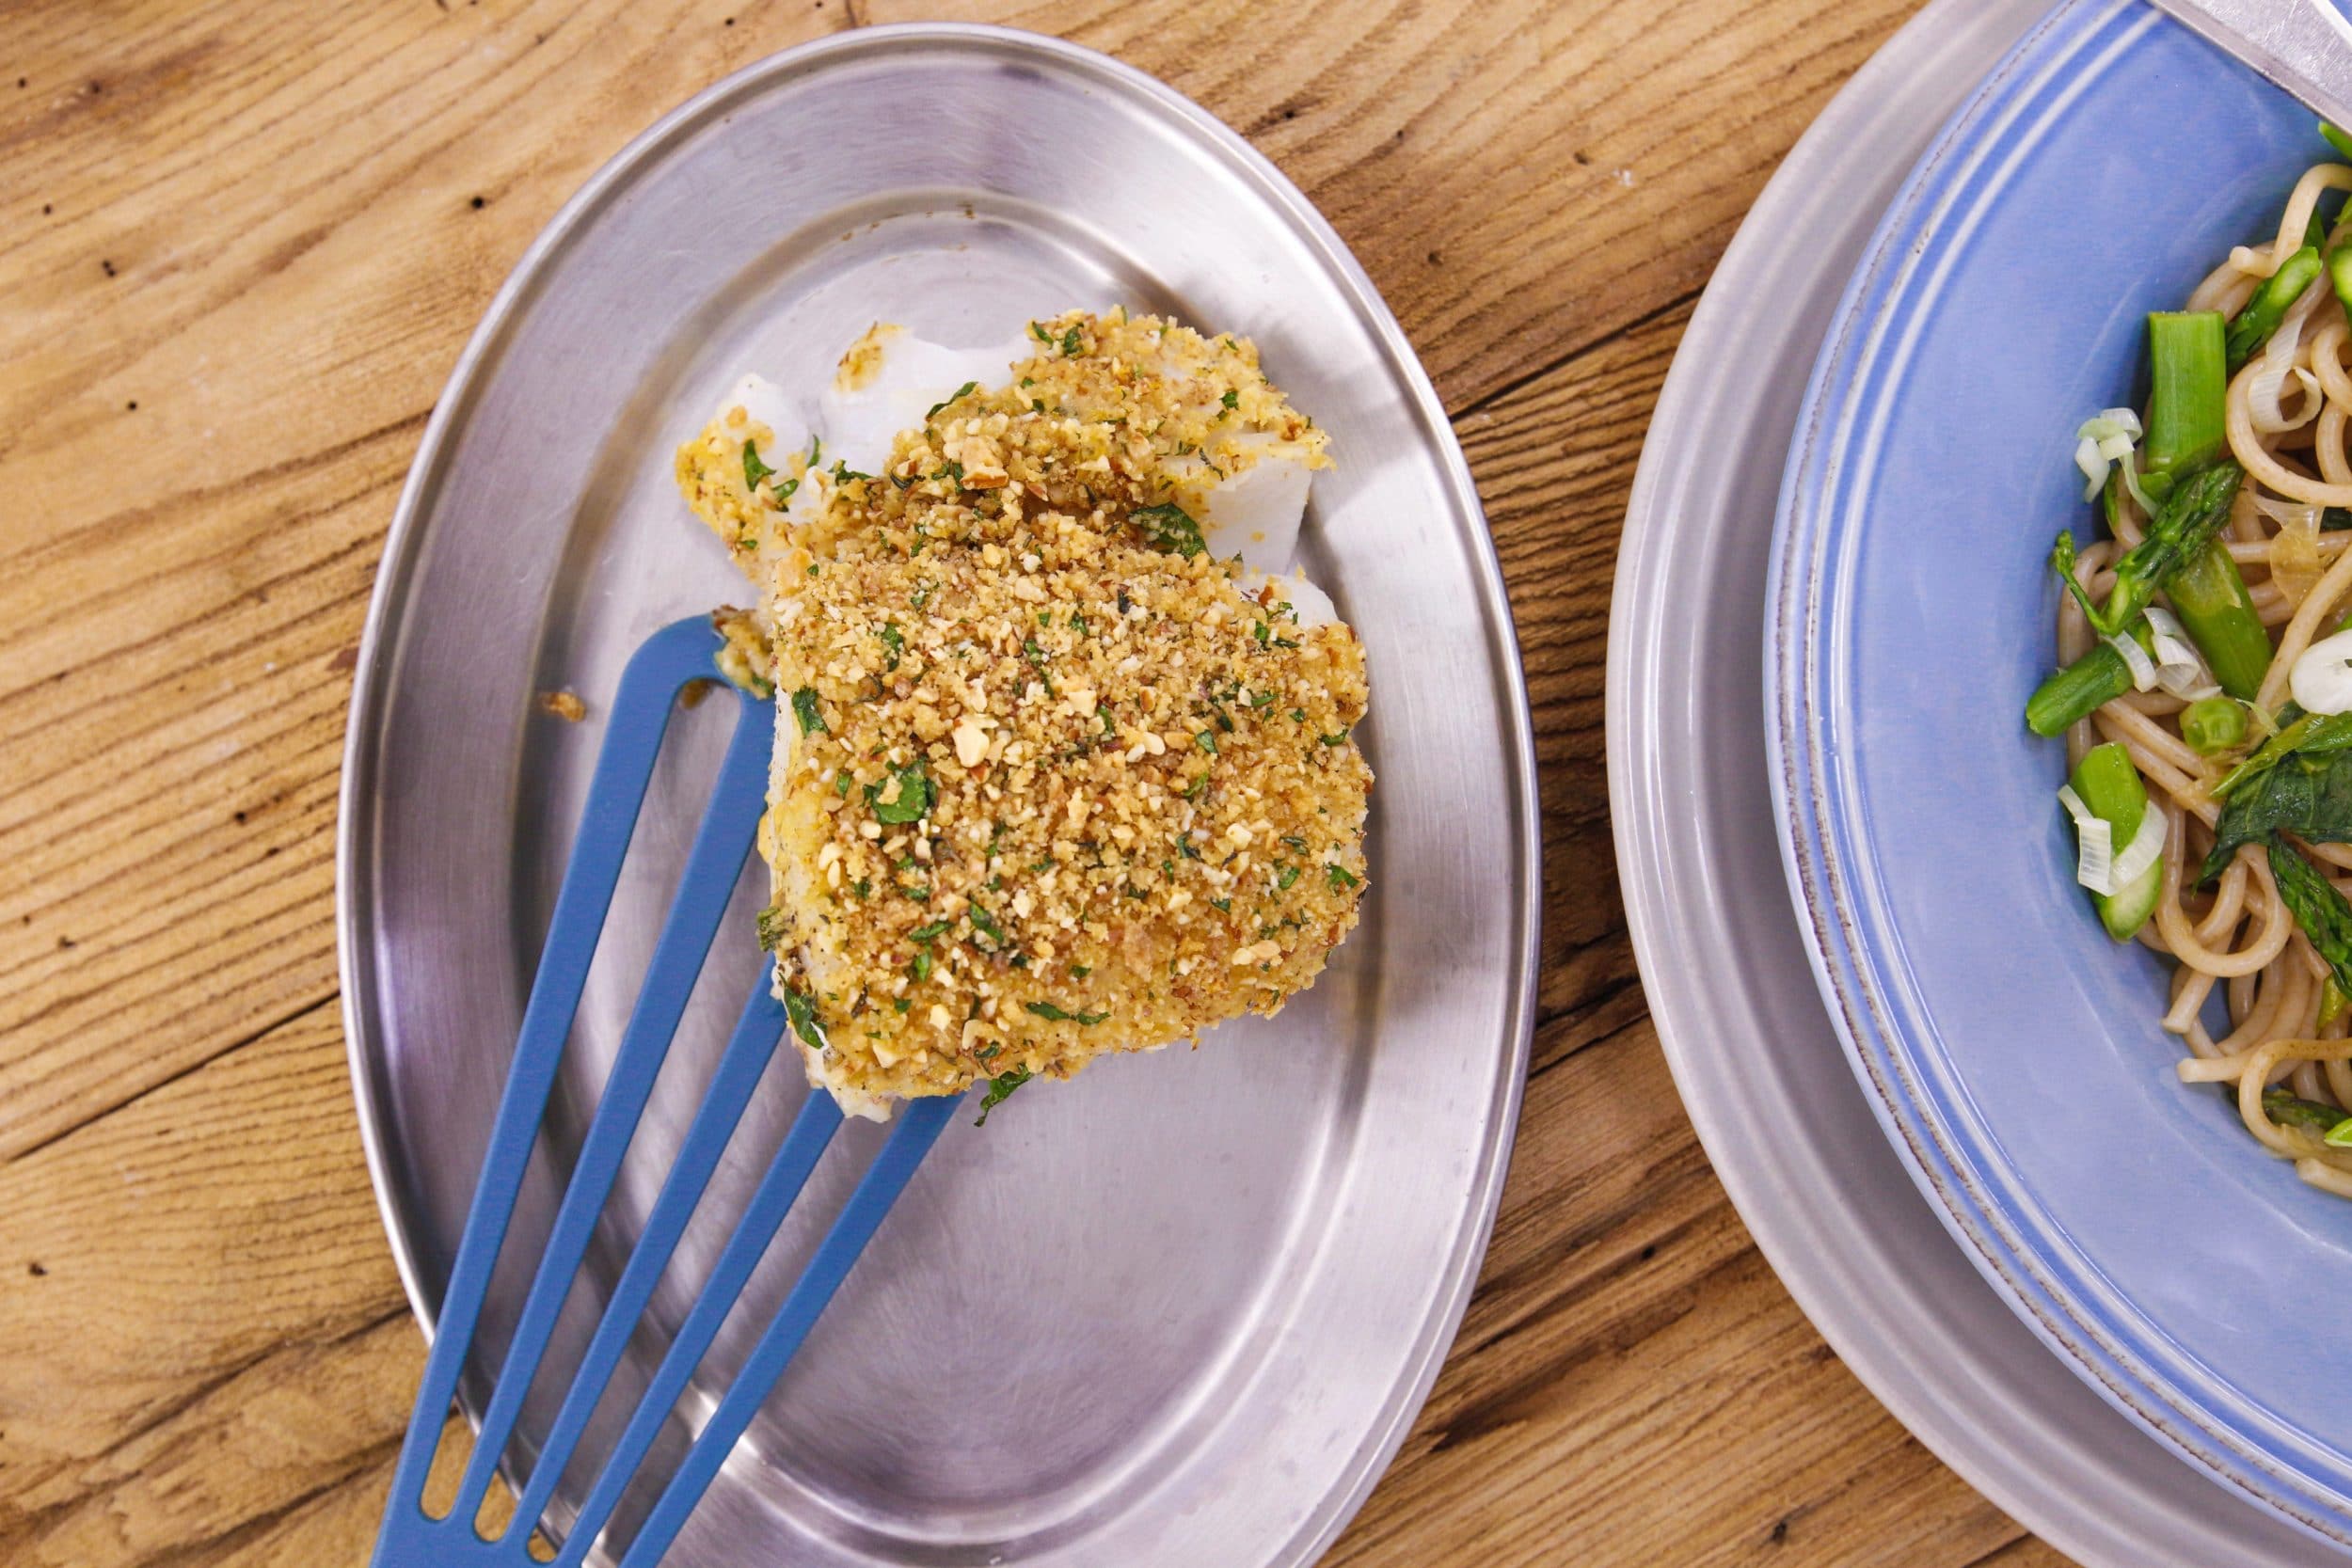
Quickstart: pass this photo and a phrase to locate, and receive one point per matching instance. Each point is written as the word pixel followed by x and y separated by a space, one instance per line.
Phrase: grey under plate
pixel 1760 1070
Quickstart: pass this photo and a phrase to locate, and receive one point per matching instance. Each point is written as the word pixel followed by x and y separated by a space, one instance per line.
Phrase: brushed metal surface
pixel 2305 46
pixel 1181 1309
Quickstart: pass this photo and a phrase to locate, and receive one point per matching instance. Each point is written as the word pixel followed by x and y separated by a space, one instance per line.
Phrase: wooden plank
pixel 158 1255
pixel 263 253
pixel 1519 180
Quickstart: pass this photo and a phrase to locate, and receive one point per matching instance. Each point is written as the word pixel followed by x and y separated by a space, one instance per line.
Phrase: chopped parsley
pixel 1206 740
pixel 920 966
pixel 862 887
pixel 1046 1010
pixel 1073 345
pixel 912 801
pixel 802 1009
pixel 843 473
pixel 931 932
pixel 893 644
pixel 770 924
pixel 1339 740
pixel 999 1090
pixel 1168 527
pixel 985 923
pixel 1340 876
pixel 1289 874
pixel 1231 398
pixel 753 469
pixel 804 710
pixel 957 396
pixel 1079 972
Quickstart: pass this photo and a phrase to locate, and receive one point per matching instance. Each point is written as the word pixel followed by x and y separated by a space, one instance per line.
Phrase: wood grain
pixel 245 243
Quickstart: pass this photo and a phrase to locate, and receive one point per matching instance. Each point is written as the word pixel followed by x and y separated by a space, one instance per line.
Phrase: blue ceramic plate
pixel 2010 1050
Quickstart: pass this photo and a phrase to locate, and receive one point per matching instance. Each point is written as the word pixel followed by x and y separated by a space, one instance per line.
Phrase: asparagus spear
pixel 2190 388
pixel 2184 524
pixel 2074 692
pixel 2188 383
pixel 2109 786
pixel 2252 326
pixel 2292 1110
pixel 2340 279
pixel 2210 597
pixel 2317 907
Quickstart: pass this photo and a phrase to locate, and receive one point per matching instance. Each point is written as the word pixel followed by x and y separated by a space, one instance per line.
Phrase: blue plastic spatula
pixel 410 1538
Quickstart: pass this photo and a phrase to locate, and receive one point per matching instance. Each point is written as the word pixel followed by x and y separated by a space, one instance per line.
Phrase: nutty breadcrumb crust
pixel 1049 781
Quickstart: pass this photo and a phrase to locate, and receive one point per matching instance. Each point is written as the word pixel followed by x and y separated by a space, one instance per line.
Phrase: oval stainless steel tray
pixel 1181 1309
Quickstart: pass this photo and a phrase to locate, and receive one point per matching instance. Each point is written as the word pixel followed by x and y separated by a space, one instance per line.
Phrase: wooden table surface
pixel 241 243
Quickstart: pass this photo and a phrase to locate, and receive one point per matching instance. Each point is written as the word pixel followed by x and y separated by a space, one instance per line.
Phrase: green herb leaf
pixel 770 924
pixel 1046 1010
pixel 985 923
pixel 957 396
pixel 2308 794
pixel 920 966
pixel 1072 342
pixel 931 932
pixel 1339 877
pixel 1206 740
pixel 1170 527
pixel 804 710
pixel 801 1008
pixel 999 1090
pixel 1288 875
pixel 1231 398
pixel 912 801
pixel 753 469
pixel 893 644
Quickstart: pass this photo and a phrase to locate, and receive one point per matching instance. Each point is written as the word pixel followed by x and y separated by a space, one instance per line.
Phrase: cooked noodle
pixel 2286 414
